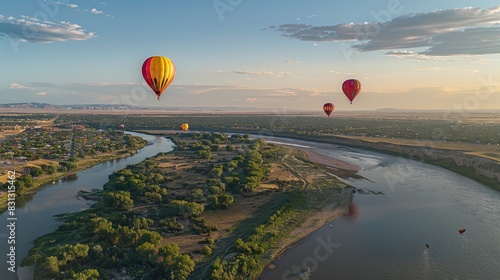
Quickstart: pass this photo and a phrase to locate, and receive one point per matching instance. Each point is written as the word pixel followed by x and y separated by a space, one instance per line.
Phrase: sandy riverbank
pixel 328 214
pixel 330 161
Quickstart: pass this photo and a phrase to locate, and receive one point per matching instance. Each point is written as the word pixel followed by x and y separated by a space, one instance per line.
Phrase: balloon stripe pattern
pixel 158 72
pixel 351 88
pixel 328 108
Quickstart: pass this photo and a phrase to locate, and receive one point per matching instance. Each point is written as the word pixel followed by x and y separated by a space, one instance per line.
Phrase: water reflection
pixel 70 177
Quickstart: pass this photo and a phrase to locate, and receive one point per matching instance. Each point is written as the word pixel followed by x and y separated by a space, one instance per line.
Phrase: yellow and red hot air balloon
pixel 158 72
pixel 185 126
pixel 351 88
pixel 328 108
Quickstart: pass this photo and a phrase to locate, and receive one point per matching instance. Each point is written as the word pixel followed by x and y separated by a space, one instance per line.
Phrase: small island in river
pixel 215 207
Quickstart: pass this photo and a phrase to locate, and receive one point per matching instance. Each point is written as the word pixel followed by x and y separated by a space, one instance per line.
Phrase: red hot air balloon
pixel 328 108
pixel 122 126
pixel 351 88
pixel 461 231
pixel 158 72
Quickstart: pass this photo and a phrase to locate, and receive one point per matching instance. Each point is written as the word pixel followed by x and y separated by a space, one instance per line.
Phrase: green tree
pixel 181 268
pixel 120 200
pixel 186 209
pixel 50 267
pixel 204 154
pixel 146 250
pixel 87 274
pixel 168 253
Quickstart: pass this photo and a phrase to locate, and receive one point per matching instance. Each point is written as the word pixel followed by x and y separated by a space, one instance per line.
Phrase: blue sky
pixel 264 54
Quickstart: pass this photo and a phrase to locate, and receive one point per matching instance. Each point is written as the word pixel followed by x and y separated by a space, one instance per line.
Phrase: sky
pixel 284 54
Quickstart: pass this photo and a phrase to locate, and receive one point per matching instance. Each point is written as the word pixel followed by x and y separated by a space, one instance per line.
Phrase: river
pixel 35 218
pixel 385 236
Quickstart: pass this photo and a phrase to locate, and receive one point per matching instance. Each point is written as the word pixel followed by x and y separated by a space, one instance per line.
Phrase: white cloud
pixel 465 31
pixel 28 29
pixel 251 100
pixel 18 86
pixel 292 61
pixel 41 93
pixel 96 11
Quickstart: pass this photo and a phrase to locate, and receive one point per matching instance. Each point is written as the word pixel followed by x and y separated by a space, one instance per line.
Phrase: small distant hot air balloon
pixel 427 246
pixel 351 88
pixel 158 72
pixel 185 126
pixel 461 231
pixel 122 126
pixel 328 108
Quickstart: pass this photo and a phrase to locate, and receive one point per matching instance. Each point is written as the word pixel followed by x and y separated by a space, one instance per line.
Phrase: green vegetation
pixel 123 231
pixel 451 129
pixel 55 143
pixel 172 216
pixel 143 208
pixel 42 155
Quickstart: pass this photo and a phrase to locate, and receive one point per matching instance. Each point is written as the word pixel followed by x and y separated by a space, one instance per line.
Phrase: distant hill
pixel 387 109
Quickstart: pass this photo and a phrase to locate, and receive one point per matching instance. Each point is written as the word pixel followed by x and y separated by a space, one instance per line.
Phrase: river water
pixel 385 236
pixel 35 217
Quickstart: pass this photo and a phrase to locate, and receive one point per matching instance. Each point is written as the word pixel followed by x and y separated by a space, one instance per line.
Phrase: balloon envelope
pixel 351 88
pixel 122 126
pixel 461 231
pixel 328 108
pixel 158 72
pixel 185 126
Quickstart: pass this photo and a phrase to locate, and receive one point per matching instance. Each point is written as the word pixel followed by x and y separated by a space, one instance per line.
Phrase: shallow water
pixel 385 236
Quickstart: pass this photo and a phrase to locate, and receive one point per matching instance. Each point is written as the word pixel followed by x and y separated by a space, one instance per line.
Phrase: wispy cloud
pixel 342 73
pixel 464 31
pixel 251 100
pixel 266 73
pixel 292 61
pixel 73 6
pixel 96 11
pixel 18 86
pixel 28 29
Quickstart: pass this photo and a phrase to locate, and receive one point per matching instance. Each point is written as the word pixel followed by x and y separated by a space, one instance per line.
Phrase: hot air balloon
pixel 122 126
pixel 185 126
pixel 328 108
pixel 427 246
pixel 461 231
pixel 351 88
pixel 158 72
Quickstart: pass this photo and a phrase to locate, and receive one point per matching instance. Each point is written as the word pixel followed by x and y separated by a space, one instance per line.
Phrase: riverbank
pixel 81 165
pixel 483 167
pixel 387 236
